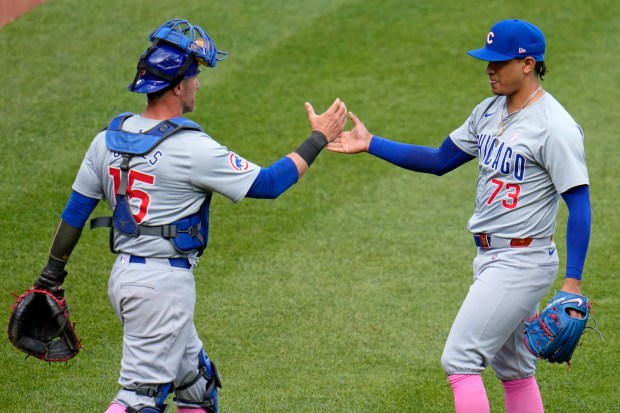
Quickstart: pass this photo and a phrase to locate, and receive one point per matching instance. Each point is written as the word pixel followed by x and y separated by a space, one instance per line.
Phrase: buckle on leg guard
pixel 207 376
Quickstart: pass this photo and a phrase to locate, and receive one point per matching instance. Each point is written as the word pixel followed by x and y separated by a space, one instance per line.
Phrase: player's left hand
pixel 554 333
pixel 50 280
pixel 573 286
pixel 39 325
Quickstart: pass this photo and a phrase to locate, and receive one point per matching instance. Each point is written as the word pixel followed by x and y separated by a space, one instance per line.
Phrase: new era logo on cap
pixel 511 39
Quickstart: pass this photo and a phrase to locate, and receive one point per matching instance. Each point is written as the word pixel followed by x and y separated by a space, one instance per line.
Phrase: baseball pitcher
pixel 530 154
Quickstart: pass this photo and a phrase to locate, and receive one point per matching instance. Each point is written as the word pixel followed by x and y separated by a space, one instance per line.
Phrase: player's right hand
pixel 332 122
pixel 354 141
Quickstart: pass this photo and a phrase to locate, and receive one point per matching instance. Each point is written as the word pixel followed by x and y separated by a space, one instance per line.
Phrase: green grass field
pixel 338 296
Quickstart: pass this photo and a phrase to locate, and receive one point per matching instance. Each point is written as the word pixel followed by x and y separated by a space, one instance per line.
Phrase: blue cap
pixel 512 39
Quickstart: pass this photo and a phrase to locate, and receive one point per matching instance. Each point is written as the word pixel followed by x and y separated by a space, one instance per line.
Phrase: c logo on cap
pixel 490 37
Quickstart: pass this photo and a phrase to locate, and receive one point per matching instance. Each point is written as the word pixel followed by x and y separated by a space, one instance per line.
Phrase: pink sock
pixel 116 408
pixel 190 410
pixel 522 395
pixel 469 393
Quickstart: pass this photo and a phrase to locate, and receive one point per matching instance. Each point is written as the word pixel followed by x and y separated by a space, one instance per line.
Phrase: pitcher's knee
pixel 462 362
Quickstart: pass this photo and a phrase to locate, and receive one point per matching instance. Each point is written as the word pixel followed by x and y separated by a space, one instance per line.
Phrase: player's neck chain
pixel 508 119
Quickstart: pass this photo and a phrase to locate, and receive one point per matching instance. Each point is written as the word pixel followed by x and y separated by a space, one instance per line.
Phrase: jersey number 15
pixel 133 193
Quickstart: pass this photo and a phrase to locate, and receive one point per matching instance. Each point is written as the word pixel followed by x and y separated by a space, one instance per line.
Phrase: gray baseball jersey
pixel 523 171
pixel 166 184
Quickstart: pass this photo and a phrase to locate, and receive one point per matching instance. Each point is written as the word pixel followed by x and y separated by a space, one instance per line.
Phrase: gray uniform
pixel 154 299
pixel 522 173
pixel 165 185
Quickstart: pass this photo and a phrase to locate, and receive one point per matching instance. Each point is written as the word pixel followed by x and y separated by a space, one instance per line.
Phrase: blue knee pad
pixel 207 371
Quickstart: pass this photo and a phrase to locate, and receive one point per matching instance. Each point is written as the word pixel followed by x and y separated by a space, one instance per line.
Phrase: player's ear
pixel 178 89
pixel 529 63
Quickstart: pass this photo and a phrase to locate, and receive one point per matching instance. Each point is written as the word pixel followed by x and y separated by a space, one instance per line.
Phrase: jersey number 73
pixel 510 198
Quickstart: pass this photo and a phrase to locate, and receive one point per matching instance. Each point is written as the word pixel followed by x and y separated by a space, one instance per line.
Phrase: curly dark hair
pixel 541 69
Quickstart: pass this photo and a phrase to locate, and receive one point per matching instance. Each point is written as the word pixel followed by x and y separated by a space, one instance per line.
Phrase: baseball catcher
pixel 554 334
pixel 158 171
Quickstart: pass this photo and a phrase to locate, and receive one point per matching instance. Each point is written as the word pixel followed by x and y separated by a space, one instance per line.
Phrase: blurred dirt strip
pixel 12 9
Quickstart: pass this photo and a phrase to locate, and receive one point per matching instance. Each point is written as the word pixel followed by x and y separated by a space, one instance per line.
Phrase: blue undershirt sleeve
pixel 271 182
pixel 577 229
pixel 78 209
pixel 437 161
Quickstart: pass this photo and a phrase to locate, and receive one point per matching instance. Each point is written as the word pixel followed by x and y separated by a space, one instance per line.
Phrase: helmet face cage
pixel 190 38
pixel 175 53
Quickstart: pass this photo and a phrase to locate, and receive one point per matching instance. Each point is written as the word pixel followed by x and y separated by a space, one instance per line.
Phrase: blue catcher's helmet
pixel 178 48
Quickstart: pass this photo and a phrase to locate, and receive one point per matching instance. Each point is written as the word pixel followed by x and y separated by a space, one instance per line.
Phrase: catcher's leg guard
pixel 202 390
pixel 159 395
pixel 145 409
pixel 120 408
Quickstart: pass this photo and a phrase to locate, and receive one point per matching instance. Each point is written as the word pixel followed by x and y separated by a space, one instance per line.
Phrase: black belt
pixel 174 262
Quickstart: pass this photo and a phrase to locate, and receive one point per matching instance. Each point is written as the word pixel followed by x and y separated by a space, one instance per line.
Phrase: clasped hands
pixel 332 122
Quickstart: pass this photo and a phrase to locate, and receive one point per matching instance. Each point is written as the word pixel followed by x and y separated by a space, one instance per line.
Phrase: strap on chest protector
pixel 187 234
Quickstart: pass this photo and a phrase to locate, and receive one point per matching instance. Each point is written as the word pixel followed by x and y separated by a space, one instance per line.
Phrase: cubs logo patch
pixel 238 163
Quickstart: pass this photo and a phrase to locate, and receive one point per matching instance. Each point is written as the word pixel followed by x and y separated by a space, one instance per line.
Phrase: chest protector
pixel 188 234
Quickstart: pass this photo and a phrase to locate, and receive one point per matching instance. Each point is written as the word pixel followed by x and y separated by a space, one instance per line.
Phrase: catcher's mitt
pixel 554 334
pixel 39 325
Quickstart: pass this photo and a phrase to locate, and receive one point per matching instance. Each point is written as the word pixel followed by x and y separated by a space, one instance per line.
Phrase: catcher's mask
pixel 177 50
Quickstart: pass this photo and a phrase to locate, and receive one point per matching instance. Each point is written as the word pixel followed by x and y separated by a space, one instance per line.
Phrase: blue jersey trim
pixel 78 209
pixel 577 229
pixel 437 161
pixel 271 182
